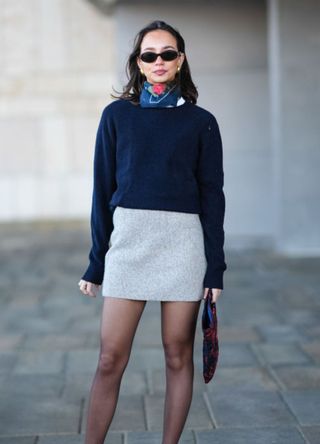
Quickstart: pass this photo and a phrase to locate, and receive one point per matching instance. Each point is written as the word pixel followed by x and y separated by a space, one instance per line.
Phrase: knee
pixel 178 356
pixel 111 362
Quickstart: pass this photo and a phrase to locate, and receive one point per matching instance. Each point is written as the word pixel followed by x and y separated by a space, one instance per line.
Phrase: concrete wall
pixel 56 64
pixel 298 157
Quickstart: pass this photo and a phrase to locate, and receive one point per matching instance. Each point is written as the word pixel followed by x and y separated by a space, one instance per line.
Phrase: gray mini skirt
pixel 155 255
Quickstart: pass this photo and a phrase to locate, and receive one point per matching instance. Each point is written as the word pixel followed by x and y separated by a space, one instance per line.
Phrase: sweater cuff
pixel 213 279
pixel 94 275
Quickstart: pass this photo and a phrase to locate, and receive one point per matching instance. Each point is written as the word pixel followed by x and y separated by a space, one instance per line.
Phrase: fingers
pixel 88 288
pixel 216 292
pixel 84 287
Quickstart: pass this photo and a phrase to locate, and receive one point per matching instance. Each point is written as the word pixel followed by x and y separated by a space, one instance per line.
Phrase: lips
pixel 160 71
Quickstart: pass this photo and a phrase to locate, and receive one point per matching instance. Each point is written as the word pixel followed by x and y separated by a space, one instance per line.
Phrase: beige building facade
pixel 256 65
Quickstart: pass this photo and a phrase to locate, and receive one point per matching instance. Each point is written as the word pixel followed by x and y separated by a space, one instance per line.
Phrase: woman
pixel 156 222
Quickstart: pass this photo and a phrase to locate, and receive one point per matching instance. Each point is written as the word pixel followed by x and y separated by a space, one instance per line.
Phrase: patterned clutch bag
pixel 210 347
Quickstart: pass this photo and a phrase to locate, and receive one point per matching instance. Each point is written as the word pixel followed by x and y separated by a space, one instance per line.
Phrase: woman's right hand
pixel 88 288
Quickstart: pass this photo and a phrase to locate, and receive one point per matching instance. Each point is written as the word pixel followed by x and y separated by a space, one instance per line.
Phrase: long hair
pixel 131 91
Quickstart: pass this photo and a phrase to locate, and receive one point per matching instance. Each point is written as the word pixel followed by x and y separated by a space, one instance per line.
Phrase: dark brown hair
pixel 131 91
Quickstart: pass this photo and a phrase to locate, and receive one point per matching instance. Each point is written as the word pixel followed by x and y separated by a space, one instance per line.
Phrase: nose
pixel 157 59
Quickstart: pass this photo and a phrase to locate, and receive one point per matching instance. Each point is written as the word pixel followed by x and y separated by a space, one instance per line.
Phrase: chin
pixel 161 79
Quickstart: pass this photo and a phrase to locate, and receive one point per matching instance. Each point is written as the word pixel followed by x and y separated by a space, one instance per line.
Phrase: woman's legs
pixel 120 318
pixel 179 321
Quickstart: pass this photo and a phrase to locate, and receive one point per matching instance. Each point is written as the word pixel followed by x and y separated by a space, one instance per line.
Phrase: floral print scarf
pixel 159 94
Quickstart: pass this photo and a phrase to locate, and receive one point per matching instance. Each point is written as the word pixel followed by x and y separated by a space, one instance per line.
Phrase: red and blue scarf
pixel 159 94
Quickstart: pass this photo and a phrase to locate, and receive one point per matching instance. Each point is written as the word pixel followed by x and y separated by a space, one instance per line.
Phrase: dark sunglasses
pixel 149 56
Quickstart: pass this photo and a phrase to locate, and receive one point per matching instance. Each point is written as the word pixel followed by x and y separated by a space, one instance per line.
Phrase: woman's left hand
pixel 216 292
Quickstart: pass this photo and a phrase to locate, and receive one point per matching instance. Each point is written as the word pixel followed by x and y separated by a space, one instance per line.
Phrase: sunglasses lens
pixel 150 57
pixel 169 55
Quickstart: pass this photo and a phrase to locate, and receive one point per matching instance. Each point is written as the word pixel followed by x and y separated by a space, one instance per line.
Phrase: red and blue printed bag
pixel 210 347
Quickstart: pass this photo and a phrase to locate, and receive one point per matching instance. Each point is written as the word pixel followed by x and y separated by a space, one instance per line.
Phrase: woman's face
pixel 159 71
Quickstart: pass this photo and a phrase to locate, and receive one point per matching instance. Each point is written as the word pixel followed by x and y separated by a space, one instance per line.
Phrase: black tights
pixel 179 321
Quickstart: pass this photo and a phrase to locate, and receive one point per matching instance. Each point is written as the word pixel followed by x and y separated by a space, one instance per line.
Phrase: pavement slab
pixel 238 334
pixel 232 355
pixel 39 362
pixel 312 434
pixel 243 378
pixel 266 388
pixel 187 437
pixel 59 342
pixel 299 376
pixel 19 440
pixel 281 354
pixel 129 414
pixel 312 349
pixel 199 415
pixel 7 361
pixel 158 381
pixel 113 438
pixel 30 384
pixel 36 414
pixel 84 360
pixel 249 408
pixel 261 435
pixel 280 333
pixel 305 404
pixel 146 358
pixel 11 341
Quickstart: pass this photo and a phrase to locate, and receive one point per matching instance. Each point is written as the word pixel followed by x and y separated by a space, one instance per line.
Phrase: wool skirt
pixel 155 255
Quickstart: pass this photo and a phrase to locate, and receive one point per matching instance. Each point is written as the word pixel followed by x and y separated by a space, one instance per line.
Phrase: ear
pixel 182 57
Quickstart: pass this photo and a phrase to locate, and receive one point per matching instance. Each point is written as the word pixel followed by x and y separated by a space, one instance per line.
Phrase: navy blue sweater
pixel 162 159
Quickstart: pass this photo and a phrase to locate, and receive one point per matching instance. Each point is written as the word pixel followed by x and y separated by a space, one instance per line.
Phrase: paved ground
pixel 266 388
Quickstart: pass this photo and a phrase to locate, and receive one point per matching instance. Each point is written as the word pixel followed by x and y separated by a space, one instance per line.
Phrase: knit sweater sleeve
pixel 104 184
pixel 211 181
